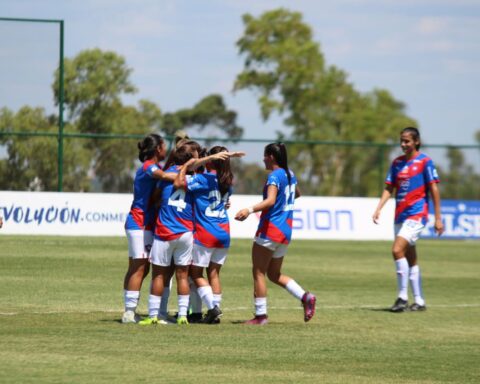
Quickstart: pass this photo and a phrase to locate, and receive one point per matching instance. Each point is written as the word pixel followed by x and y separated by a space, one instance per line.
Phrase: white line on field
pixel 228 309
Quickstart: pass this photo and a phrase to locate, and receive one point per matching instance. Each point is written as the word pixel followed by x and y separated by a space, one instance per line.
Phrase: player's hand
pixel 242 214
pixel 376 217
pixel 439 228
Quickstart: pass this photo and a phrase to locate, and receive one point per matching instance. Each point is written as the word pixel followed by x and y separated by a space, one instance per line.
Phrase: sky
pixel 425 52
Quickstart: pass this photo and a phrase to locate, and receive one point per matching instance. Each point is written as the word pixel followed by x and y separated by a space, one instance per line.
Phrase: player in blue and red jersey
pixel 140 221
pixel 173 238
pixel 413 176
pixel 274 234
pixel 211 191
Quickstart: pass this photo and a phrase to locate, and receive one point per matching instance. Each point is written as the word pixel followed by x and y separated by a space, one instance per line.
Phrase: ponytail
pixel 279 153
pixel 147 147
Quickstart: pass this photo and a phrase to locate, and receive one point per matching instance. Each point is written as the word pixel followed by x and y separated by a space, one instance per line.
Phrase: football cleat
pixel 182 320
pixel 400 305
pixel 417 307
pixel 308 301
pixel 257 320
pixel 130 317
pixel 212 315
pixel 152 321
pixel 194 318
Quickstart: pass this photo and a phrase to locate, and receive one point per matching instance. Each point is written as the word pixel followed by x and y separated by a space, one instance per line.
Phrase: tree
pixel 460 181
pixel 286 68
pixel 31 161
pixel 95 82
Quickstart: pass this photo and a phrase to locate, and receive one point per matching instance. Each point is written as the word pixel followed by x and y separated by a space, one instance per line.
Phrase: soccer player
pixel 140 221
pixel 173 238
pixel 274 233
pixel 413 176
pixel 210 191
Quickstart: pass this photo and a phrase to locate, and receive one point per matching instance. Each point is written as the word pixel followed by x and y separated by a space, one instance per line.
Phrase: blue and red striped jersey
pixel 412 180
pixel 276 222
pixel 141 215
pixel 175 216
pixel 212 228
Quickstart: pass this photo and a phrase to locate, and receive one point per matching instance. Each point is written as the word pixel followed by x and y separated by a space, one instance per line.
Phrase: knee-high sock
pixel 416 284
pixel 402 277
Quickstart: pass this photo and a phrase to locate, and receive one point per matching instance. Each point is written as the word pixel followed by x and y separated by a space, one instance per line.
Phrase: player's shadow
pixel 376 309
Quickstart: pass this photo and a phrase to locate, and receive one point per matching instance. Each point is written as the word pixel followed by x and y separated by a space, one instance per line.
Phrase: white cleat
pixel 130 317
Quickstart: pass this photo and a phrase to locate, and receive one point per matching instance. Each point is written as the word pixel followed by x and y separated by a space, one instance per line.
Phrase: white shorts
pixel 139 243
pixel 410 230
pixel 279 249
pixel 180 250
pixel 203 256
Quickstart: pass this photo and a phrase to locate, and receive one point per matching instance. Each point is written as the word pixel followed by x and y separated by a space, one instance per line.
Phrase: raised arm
pixel 180 181
pixel 217 156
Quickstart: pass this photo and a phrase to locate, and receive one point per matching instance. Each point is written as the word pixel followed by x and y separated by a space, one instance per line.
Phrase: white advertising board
pixel 95 214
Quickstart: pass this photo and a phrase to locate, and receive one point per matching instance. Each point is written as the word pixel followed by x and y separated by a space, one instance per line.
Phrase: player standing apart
pixel 414 177
pixel 140 221
pixel 274 234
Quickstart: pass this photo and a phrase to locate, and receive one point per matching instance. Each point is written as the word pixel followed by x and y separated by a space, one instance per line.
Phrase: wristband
pixel 250 210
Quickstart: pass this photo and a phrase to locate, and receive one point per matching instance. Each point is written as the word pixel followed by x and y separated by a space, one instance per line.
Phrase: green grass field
pixel 61 302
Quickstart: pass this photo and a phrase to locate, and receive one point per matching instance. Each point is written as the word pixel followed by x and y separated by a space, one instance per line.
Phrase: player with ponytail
pixel 141 219
pixel 274 234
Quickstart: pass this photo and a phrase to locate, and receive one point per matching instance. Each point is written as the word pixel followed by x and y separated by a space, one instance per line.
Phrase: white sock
pixel 206 295
pixel 402 277
pixel 131 300
pixel 294 289
pixel 195 300
pixel 153 305
pixel 416 284
pixel 182 305
pixel 217 299
pixel 164 304
pixel 260 306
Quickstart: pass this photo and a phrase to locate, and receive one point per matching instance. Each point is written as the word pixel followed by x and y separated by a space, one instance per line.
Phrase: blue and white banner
pixel 461 219
pixel 319 218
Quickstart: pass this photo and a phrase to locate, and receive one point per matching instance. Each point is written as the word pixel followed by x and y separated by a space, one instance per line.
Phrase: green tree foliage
pixel 460 181
pixel 207 113
pixel 31 162
pixel 286 68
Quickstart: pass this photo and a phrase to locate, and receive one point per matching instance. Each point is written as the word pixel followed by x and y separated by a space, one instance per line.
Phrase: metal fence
pixel 326 168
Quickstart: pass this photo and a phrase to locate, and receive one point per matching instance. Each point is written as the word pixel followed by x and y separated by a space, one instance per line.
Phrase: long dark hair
pixel 224 172
pixel 279 153
pixel 414 132
pixel 147 147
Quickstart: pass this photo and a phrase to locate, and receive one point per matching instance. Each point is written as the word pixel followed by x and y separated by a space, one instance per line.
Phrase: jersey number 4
pixel 177 199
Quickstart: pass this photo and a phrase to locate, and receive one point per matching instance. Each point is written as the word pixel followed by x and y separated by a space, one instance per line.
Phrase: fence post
pixel 60 112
